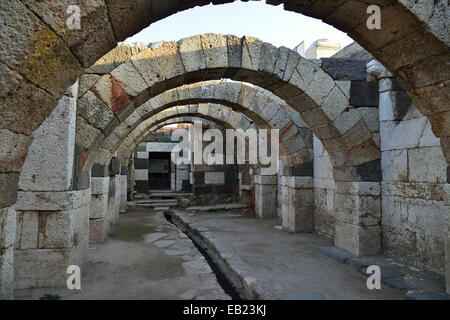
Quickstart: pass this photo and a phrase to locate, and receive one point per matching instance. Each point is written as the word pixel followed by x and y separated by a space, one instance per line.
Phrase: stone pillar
pixel 7 239
pixel 447 238
pixel 358 217
pixel 297 203
pixel 123 188
pixel 98 227
pixel 52 217
pixel 266 196
pixel 117 198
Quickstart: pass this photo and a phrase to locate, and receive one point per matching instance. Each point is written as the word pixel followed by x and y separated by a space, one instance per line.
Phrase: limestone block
pixel 426 191
pixel 335 103
pixel 129 79
pixel 300 204
pixel 98 229
pixel 358 210
pixel 215 50
pixel 394 165
pixel 57 229
pixel 50 201
pixel 265 196
pixel 427 217
pixel 99 205
pixel 358 240
pixel 395 212
pixel 170 63
pixel 192 54
pixel 401 135
pixel 428 139
pixel 87 135
pixel 427 165
pixel 394 105
pixel 53 141
pixel 251 53
pixel 324 213
pixel 41 268
pixel 148 66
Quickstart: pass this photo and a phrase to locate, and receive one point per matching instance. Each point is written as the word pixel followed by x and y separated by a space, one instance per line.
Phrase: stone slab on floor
pixel 393 273
pixel 145 258
pixel 274 264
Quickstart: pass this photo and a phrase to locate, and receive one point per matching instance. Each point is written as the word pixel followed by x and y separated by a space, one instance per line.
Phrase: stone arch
pixel 124 150
pixel 266 110
pixel 413 38
pixel 302 83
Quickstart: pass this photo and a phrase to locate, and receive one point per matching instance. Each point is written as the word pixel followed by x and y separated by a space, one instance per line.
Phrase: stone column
pixel 297 204
pixel 266 196
pixel 123 188
pixel 358 217
pixel 52 217
pixel 100 181
pixel 7 239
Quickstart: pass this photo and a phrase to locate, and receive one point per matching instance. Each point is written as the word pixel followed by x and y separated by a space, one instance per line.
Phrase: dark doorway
pixel 159 170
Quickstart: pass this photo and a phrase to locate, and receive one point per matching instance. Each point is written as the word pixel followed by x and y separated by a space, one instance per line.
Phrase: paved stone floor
pixel 144 258
pixel 279 264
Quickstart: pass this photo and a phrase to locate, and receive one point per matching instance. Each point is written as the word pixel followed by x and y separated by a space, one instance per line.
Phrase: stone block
pixel 427 165
pixel 54 141
pixel 344 69
pixel 401 135
pixel 395 165
pixel 266 200
pixel 364 94
pixel 394 105
pixel 49 65
pixel 99 205
pixel 358 240
pixel 98 229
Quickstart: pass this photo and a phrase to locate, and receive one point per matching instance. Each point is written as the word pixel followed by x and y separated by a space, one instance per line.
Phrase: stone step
pixel 225 206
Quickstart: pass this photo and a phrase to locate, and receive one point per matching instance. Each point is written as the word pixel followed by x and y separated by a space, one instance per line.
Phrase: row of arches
pixel 46 58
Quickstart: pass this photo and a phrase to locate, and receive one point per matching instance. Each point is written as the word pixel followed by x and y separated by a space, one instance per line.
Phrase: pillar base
pixel 297 204
pixel 52 233
pixel 266 196
pixel 358 217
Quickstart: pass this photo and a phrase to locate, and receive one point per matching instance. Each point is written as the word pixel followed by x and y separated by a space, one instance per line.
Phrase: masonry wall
pixel 414 175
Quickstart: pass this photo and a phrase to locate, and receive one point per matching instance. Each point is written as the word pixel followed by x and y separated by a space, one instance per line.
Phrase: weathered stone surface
pixel 427 165
pixel 344 69
pixel 395 165
pixel 23 105
pixel 13 150
pixel 55 142
pixel 364 94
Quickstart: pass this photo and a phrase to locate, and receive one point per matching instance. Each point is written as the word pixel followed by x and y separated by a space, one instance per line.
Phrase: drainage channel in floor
pixel 217 264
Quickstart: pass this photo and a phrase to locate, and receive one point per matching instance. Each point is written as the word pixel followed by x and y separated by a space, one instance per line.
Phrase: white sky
pixel 255 18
